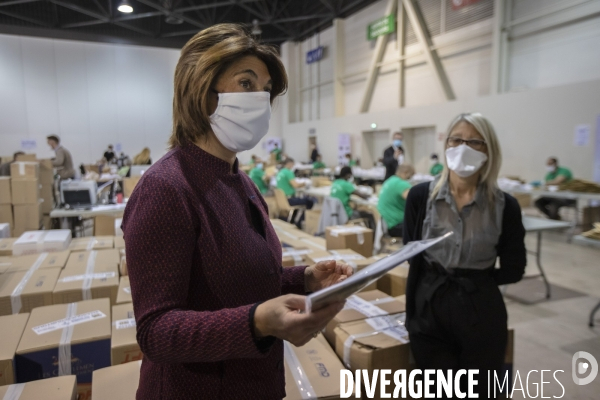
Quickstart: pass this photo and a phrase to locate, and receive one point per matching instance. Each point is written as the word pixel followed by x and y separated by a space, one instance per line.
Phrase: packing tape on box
pixel 14 392
pixel 21 168
pixel 39 246
pixel 90 244
pixel 388 325
pixel 64 346
pixel 350 229
pixel 15 296
pixel 302 382
pixel 366 307
pixel 86 288
pixel 318 246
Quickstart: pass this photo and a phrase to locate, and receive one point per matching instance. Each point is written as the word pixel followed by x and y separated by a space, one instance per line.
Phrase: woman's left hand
pixel 324 274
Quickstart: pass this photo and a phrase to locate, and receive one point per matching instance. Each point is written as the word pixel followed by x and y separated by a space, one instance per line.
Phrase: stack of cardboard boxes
pixel 26 196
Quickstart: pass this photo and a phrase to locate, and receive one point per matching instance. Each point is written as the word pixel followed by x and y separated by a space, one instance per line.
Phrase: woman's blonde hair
pixel 203 58
pixel 143 158
pixel 490 170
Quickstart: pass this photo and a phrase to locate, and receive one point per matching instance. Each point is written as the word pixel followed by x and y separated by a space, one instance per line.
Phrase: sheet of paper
pixel 368 275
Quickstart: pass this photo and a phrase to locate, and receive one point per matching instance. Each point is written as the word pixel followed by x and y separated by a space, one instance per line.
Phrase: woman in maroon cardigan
pixel 211 300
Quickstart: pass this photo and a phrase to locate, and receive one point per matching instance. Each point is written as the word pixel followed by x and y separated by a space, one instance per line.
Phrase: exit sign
pixel 381 27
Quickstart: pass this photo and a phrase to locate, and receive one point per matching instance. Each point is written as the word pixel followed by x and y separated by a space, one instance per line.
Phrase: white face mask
pixel 464 160
pixel 550 168
pixel 259 166
pixel 434 161
pixel 351 179
pixel 241 119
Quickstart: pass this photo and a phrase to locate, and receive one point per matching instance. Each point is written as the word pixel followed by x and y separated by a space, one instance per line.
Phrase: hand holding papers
pixel 366 276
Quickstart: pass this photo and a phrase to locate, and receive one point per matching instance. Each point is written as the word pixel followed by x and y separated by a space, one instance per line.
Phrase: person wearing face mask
pixel 555 176
pixel 212 303
pixel 318 164
pixel 393 155
pixel 392 199
pixel 436 167
pixel 455 313
pixel 258 176
pixel 343 187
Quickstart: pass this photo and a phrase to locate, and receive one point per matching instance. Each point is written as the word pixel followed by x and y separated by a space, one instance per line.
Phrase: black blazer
pixel 390 162
pixel 511 245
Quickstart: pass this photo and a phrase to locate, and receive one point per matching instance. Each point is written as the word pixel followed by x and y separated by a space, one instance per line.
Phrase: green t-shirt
pixel 352 163
pixel 342 189
pixel 318 165
pixel 257 175
pixel 436 169
pixel 283 181
pixel 560 171
pixel 391 203
pixel 277 153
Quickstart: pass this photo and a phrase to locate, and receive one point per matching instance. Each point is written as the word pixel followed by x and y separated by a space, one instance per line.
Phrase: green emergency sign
pixel 382 26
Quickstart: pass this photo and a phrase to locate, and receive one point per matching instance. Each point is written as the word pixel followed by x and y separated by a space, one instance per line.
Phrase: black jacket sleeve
pixel 388 158
pixel 414 212
pixel 511 246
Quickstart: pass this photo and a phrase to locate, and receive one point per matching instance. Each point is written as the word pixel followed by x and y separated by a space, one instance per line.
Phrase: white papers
pixel 368 275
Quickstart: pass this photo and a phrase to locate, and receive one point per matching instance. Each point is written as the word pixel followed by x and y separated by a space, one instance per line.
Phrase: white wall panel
pixel 13 107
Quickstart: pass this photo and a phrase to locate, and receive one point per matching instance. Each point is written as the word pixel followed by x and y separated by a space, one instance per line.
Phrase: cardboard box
pixel 5 230
pixel 77 284
pixel 119 242
pixel 118 230
pixel 28 217
pixel 524 199
pixel 59 388
pixel 6 246
pixel 6 214
pixel 57 259
pixel 46 172
pixel 26 157
pixel 379 343
pixel 124 347
pixel 46 222
pixel 303 244
pixel 318 364
pixel 311 221
pixel 128 185
pixel 25 191
pixel 292 257
pixel 356 238
pixel 104 225
pixel 36 289
pixel 5 195
pixel 11 330
pixel 38 355
pixel 124 295
pixel 46 195
pixel 394 282
pixel 363 305
pixel 104 258
pixel 25 170
pixel 35 241
pixel 92 243
pixel 119 382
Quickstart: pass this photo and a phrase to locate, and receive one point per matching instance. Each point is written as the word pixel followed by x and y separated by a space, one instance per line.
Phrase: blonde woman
pixel 143 158
pixel 456 316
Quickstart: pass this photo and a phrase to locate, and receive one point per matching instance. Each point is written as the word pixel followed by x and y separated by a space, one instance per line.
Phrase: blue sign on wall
pixel 315 55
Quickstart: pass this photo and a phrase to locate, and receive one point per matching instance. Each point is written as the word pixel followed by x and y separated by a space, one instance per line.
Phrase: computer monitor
pixel 78 193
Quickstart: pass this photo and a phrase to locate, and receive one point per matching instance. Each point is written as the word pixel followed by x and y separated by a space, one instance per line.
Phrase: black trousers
pixel 301 201
pixel 460 323
pixel 396 231
pixel 551 205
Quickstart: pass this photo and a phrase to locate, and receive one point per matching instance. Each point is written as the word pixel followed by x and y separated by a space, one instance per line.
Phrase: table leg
pixel 539 263
pixel 594 311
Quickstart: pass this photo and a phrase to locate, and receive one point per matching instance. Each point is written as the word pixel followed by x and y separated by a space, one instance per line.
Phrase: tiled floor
pixel 548 333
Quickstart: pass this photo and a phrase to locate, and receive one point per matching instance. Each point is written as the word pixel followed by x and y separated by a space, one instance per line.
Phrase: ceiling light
pixel 125 7
pixel 256 28
pixel 373 125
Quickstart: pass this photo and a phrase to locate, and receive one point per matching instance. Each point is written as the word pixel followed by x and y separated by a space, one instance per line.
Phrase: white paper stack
pixel 4 230
pixel 33 242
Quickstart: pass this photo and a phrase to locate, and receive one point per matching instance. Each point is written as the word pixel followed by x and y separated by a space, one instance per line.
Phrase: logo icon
pixel 580 367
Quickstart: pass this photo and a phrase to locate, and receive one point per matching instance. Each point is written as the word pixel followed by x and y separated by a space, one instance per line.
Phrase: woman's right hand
pixel 280 317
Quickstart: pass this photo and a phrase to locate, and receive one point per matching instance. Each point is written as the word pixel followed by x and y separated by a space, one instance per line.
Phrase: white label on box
pixel 66 322
pixel 98 275
pixel 350 229
pixel 364 307
pixel 125 323
pixel 127 290
pixel 292 253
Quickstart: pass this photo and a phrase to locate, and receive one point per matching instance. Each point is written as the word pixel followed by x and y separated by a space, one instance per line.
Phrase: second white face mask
pixel 241 119
pixel 464 160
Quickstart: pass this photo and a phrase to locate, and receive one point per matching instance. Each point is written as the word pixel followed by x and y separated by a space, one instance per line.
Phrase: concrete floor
pixel 548 333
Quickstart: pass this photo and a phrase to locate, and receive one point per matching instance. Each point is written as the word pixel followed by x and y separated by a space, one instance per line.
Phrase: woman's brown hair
pixel 202 60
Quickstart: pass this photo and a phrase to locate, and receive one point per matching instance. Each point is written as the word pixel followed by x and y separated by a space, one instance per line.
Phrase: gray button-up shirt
pixel 477 228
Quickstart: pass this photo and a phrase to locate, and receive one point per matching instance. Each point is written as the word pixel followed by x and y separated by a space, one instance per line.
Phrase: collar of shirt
pixel 220 167
pixel 445 194
pixel 57 147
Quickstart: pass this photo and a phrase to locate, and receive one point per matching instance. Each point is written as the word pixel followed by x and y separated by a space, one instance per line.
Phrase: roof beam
pixel 16 2
pixel 26 19
pixel 158 7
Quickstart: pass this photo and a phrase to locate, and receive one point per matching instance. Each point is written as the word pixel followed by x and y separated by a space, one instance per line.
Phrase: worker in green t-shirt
pixel 277 152
pixel 342 188
pixel 286 181
pixel 556 175
pixel 392 199
pixel 318 164
pixel 436 167
pixel 257 174
pixel 349 161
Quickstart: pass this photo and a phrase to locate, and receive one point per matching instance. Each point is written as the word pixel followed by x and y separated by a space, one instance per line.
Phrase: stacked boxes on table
pixel 119 382
pixel 124 345
pixel 6 211
pixel 26 196
pixel 357 238
pixel 59 388
pixel 11 330
pixel 33 242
